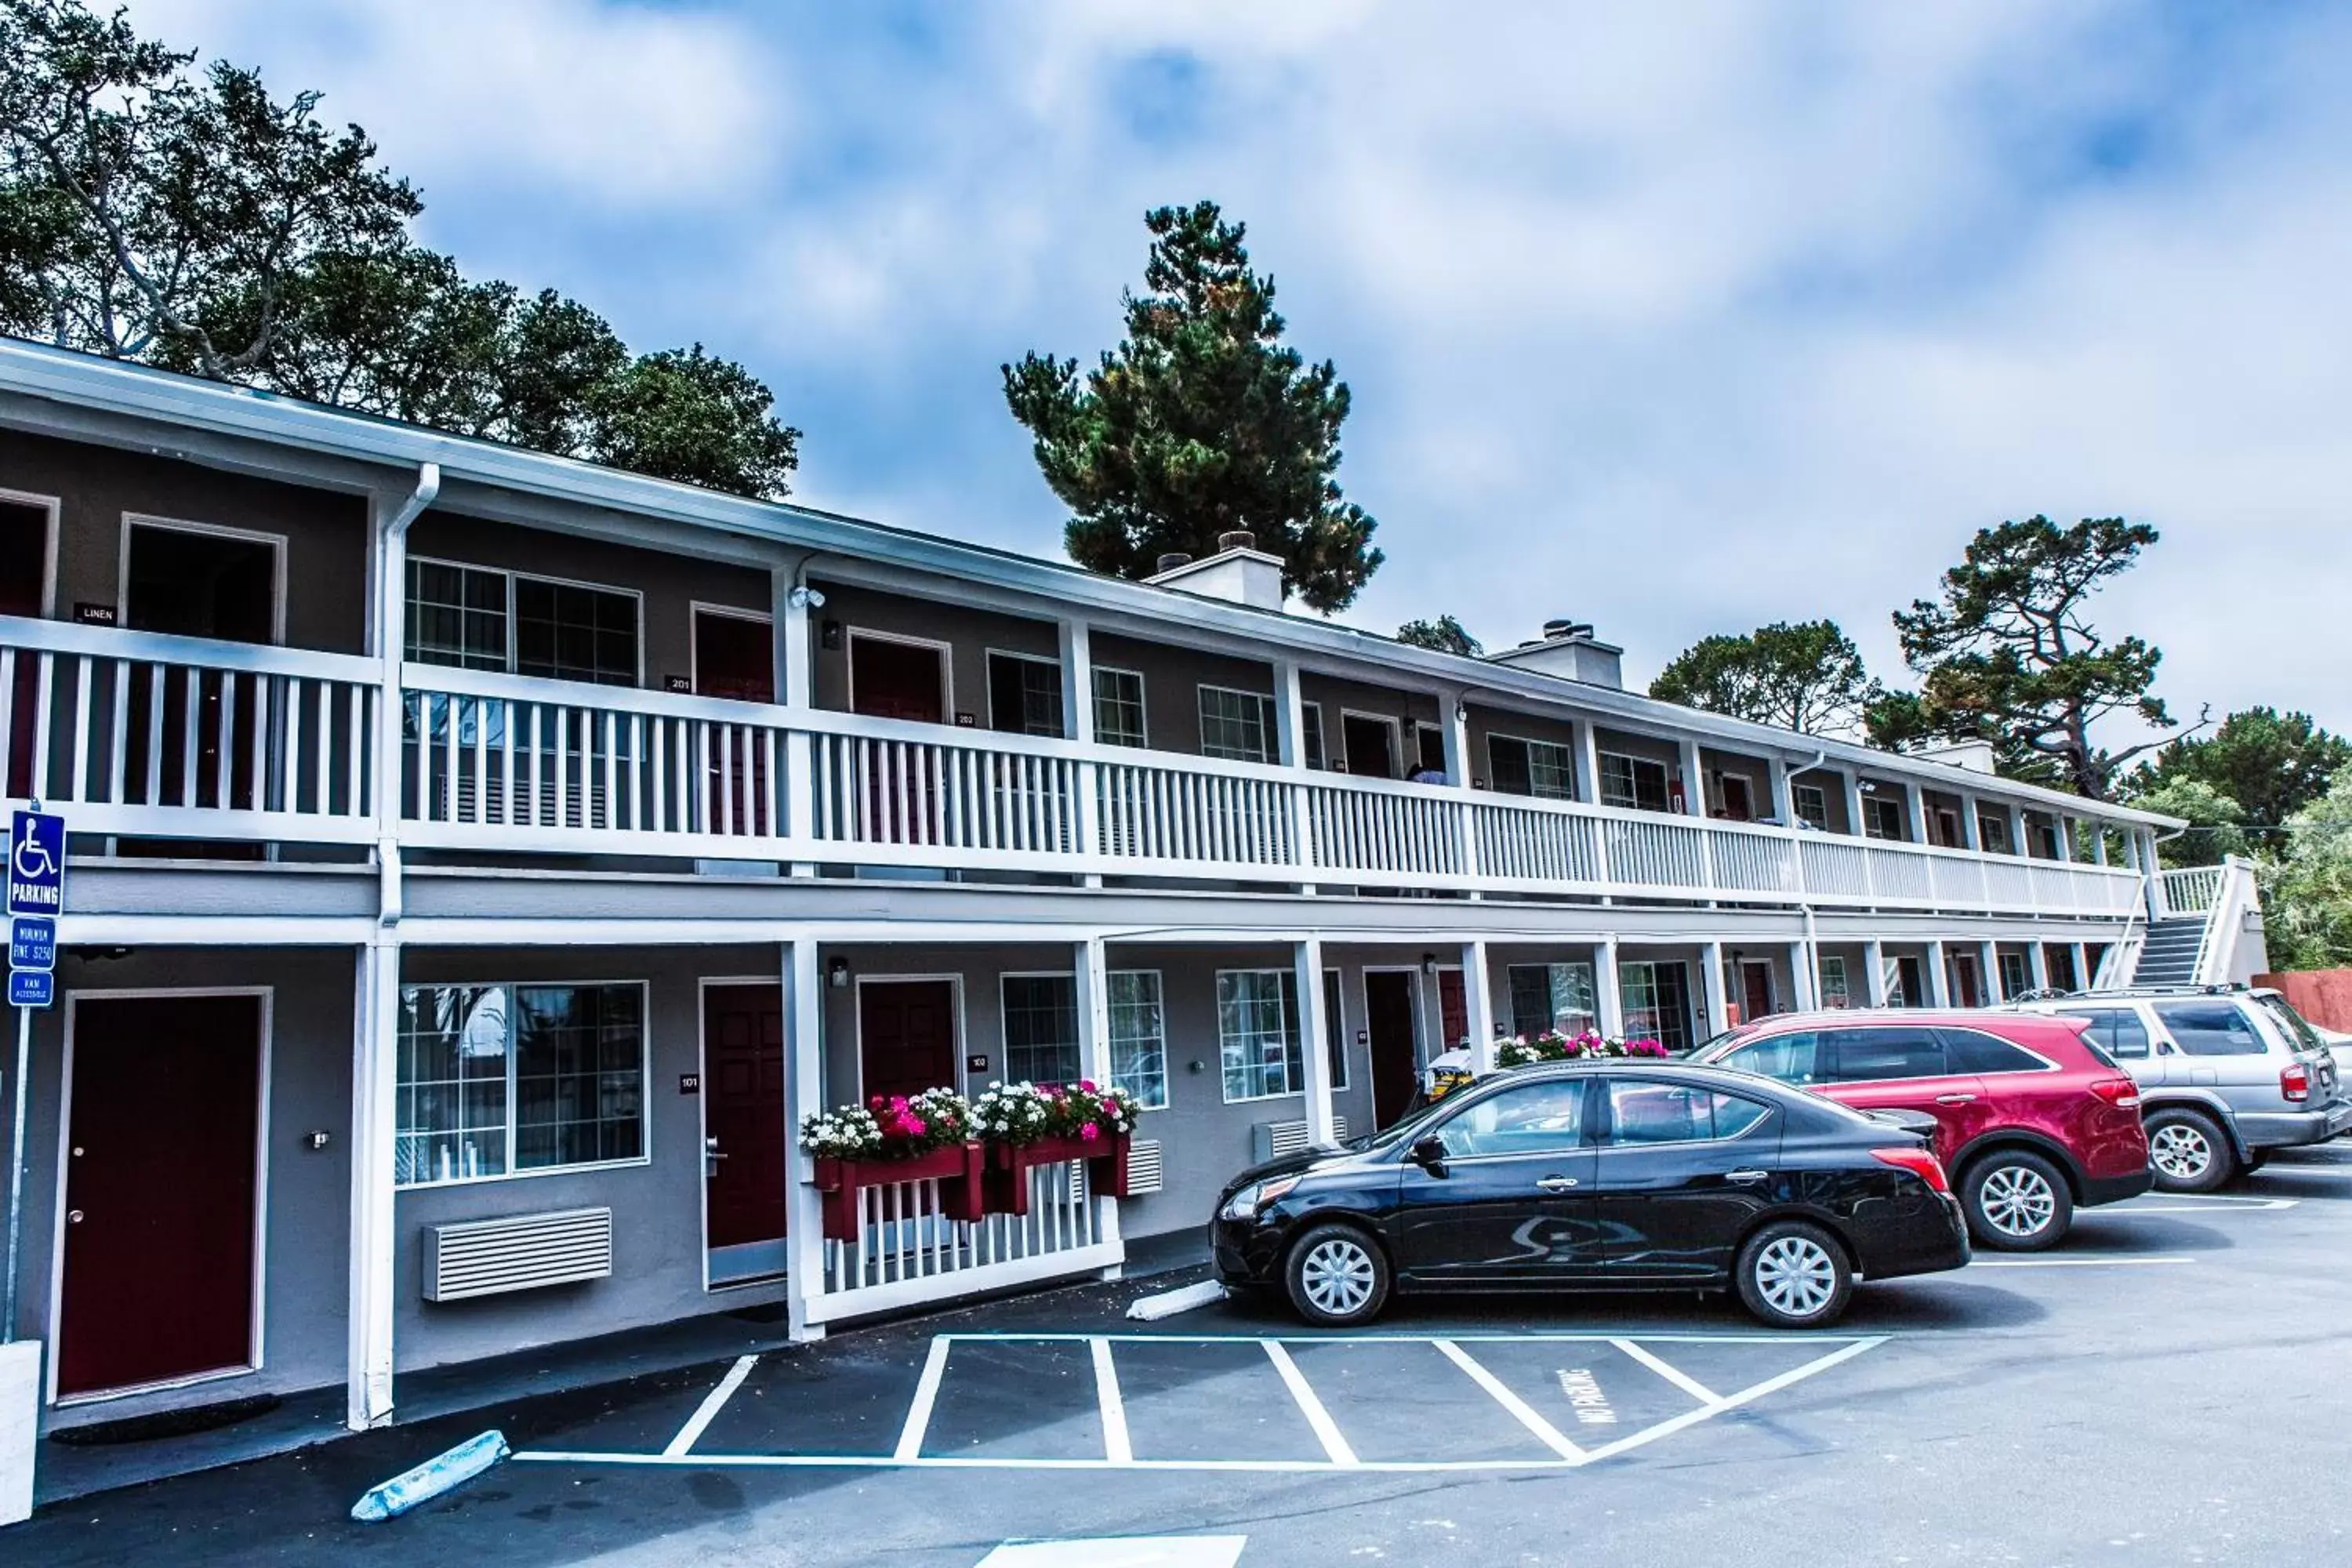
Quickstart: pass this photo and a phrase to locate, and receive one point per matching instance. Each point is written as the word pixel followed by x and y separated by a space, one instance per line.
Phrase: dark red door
pixel 1965 988
pixel 24 557
pixel 735 657
pixel 159 1190
pixel 1453 1013
pixel 891 680
pixel 906 1036
pixel 1755 991
pixel 743 1112
pixel 1388 1021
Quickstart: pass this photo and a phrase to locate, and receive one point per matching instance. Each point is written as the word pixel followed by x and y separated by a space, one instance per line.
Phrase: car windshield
pixel 1700 1052
pixel 2282 1013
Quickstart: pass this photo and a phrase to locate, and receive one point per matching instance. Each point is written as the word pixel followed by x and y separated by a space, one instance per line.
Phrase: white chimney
pixel 1568 650
pixel 1239 572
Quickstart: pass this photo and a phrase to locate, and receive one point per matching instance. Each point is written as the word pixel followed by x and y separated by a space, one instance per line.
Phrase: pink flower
pixel 1087 1086
pixel 1090 1132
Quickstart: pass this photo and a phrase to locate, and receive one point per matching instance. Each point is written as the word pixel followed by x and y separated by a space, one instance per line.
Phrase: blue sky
pixel 1675 319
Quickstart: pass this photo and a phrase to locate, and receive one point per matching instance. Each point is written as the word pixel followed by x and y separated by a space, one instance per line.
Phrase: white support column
pixel 2065 837
pixel 1477 1007
pixel 1607 990
pixel 2040 963
pixel 1314 1053
pixel 1693 781
pixel 1853 782
pixel 2098 844
pixel 1713 1002
pixel 1093 970
pixel 1588 763
pixel 1873 973
pixel 1784 802
pixel 1456 718
pixel 1804 977
pixel 2083 976
pixel 1970 839
pixel 1914 801
pixel 1934 978
pixel 803 984
pixel 1290 750
pixel 373 1256
pixel 796 691
pixel 1989 967
pixel 1078 724
pixel 2019 844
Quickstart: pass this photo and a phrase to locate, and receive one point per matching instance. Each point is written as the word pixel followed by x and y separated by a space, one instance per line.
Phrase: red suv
pixel 2032 1119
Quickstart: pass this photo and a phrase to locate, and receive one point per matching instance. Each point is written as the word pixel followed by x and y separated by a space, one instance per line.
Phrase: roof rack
pixel 2223 988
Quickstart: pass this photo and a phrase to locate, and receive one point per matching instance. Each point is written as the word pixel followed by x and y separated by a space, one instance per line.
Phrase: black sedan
pixel 1600 1175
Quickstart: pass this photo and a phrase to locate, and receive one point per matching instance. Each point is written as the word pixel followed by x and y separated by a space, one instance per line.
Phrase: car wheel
pixel 2016 1202
pixel 1794 1276
pixel 1337 1277
pixel 2254 1162
pixel 2189 1152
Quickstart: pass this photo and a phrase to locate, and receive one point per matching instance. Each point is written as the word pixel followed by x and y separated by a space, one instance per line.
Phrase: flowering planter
pixel 956 1168
pixel 1006 1190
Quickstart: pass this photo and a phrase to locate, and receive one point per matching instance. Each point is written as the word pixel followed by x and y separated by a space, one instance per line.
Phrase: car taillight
pixel 2294 1082
pixel 1918 1161
pixel 2123 1093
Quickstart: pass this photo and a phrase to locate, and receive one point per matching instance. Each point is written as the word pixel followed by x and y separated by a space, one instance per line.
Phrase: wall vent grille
pixel 1272 1140
pixel 517 1252
pixel 1145 1172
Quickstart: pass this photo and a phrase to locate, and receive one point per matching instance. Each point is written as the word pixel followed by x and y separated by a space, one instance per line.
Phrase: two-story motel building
pixel 479 860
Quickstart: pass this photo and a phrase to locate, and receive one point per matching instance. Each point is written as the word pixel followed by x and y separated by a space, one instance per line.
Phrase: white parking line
pixel 1545 1432
pixel 2192 1203
pixel 2075 1262
pixel 927 1393
pixel 712 1402
pixel 1675 1376
pixel 1755 1391
pixel 1116 1449
pixel 1327 1431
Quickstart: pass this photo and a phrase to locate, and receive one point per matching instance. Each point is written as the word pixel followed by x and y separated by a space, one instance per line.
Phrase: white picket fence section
pixel 183 737
pixel 906 1251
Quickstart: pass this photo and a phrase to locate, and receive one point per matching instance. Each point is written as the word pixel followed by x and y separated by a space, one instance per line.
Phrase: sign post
pixel 36 897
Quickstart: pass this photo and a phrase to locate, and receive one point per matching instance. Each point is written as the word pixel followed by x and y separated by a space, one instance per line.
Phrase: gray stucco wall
pixel 326 534
pixel 1485 723
pixel 970 633
pixel 305 1274
pixel 1172 678
pixel 657 1258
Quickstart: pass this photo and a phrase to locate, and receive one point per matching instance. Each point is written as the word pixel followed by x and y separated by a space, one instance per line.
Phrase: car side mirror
pixel 1429 1153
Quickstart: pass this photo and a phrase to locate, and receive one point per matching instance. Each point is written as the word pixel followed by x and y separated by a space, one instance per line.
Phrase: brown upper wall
pixel 325 533
pixel 1485 723
pixel 669 585
pixel 1832 788
pixel 969 633
pixel 1172 678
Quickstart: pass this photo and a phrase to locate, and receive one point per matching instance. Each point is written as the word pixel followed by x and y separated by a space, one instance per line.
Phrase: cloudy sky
pixel 1679 319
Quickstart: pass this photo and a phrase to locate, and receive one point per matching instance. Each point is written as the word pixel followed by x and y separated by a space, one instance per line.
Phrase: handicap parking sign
pixel 32 942
pixel 37 864
pixel 31 988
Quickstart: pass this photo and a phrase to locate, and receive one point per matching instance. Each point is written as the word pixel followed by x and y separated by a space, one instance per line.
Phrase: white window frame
pixel 1317 756
pixel 988 658
pixel 130 520
pixel 1819 817
pixel 1992 832
pixel 955 1019
pixel 943 651
pixel 1567 764
pixel 1591 981
pixel 1748 782
pixel 1290 1032
pixel 1396 742
pixel 644 1081
pixel 698 608
pixel 513 638
pixel 1832 979
pixel 1635 764
pixel 1268 727
pixel 1870 818
pixel 1143 741
pixel 1159 1045
pixel 53 509
pixel 1077 1022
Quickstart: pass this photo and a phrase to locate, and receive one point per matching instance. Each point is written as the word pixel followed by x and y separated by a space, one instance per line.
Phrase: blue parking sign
pixel 32 942
pixel 31 988
pixel 37 864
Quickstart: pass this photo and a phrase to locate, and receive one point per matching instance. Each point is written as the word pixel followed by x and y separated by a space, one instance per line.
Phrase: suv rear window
pixel 2210 1029
pixel 2118 1031
pixel 1792 1057
pixel 2298 1029
pixel 1863 1056
pixel 1973 1050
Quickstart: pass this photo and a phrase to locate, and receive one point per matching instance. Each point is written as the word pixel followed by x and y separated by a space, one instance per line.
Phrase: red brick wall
pixel 2322 995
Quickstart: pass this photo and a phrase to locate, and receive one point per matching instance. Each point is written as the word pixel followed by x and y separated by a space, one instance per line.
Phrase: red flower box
pixel 956 1168
pixel 1009 1164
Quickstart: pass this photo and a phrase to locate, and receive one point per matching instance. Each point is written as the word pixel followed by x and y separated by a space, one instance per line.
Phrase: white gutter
pixel 391 607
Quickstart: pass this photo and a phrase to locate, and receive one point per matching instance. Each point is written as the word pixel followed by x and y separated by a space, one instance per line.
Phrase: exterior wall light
pixel 836 973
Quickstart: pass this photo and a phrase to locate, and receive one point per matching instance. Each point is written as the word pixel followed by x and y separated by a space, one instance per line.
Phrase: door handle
pixel 1956 1099
pixel 1556 1184
pixel 1745 1178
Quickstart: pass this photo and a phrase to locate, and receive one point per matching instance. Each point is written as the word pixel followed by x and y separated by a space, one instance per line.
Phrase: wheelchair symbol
pixel 34 861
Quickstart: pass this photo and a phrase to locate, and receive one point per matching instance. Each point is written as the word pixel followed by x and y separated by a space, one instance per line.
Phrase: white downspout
pixel 392 602
pixel 1809 984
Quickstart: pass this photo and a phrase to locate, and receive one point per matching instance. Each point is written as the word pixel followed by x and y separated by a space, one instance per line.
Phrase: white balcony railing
pixel 178 737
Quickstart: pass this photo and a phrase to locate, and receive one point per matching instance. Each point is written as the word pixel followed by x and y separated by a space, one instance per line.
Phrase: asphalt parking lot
pixel 2166 1387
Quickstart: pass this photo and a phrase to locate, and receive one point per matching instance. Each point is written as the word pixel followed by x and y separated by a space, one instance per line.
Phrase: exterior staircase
pixel 2168 957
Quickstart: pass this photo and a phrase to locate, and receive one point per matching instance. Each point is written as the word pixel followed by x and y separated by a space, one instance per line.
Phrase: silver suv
pixel 2226 1074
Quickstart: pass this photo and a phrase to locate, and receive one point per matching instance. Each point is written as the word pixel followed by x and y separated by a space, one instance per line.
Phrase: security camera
pixel 805 599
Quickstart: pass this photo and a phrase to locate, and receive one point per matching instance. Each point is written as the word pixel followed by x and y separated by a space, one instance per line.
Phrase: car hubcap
pixel 1337 1278
pixel 1796 1275
pixel 2180 1151
pixel 2018 1200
